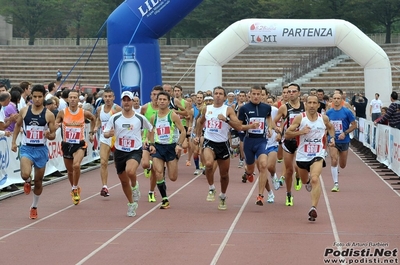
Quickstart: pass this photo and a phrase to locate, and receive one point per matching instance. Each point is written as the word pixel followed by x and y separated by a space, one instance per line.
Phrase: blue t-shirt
pixel 250 113
pixel 341 120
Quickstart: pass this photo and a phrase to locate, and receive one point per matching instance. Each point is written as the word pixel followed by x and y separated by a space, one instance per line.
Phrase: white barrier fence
pixel 10 164
pixel 383 141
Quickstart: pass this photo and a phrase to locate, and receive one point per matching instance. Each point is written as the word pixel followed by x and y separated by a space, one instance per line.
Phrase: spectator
pixel 360 104
pixel 59 75
pixel 64 99
pixel 375 107
pixel 26 87
pixel 49 103
pixel 393 112
pixel 56 102
pixel 3 88
pixel 52 90
pixel 383 112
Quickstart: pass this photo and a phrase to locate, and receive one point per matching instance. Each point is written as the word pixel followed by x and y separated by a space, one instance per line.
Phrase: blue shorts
pixel 254 147
pixel 341 147
pixel 272 149
pixel 241 136
pixel 165 152
pixel 39 155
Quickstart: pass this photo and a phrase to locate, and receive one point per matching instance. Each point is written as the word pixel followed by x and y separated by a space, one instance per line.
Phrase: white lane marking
pixel 232 227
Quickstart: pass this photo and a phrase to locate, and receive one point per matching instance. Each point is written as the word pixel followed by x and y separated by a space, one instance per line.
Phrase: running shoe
pixel 147 171
pixel 335 188
pixel 136 192
pixel 197 172
pixel 312 214
pixel 250 177
pixel 308 186
pixel 298 184
pixel 27 188
pixel 222 204
pixel 104 192
pixel 165 204
pixel 244 178
pixel 241 164
pixel 276 182
pixel 188 164
pixel 281 180
pixel 289 200
pixel 271 198
pixel 132 209
pixel 152 197
pixel 76 198
pixel 33 213
pixel 211 196
pixel 260 200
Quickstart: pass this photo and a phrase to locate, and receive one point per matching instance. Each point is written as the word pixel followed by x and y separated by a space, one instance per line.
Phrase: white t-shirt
pixel 22 103
pixel 2 115
pixel 376 105
pixel 63 104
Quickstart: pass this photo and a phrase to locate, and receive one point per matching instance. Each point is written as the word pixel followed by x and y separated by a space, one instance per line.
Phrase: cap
pixel 81 97
pixel 208 98
pixel 231 94
pixel 127 94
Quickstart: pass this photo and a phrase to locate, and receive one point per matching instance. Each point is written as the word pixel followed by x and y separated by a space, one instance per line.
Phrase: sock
pixel 270 192
pixel 35 200
pixel 196 161
pixel 136 186
pixel 74 187
pixel 105 186
pixel 288 194
pixel 222 196
pixel 334 171
pixel 151 191
pixel 28 180
pixel 211 187
pixel 162 188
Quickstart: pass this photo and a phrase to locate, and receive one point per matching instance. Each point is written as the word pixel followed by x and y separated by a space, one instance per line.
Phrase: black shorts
pixel 120 158
pixel 234 133
pixel 221 150
pixel 290 146
pixel 69 149
pixel 342 147
pixel 307 164
pixel 187 133
pixel 165 152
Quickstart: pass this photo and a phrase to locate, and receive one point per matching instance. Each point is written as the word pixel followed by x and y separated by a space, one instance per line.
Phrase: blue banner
pixel 133 30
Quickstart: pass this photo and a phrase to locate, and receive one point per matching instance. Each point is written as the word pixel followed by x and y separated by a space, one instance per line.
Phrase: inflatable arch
pixel 133 30
pixel 296 33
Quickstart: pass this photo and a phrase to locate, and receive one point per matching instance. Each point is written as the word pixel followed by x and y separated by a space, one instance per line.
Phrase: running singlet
pixel 215 129
pixel 291 113
pixel 251 113
pixel 165 130
pixel 148 114
pixel 183 119
pixel 312 144
pixel 128 131
pixel 272 140
pixel 73 126
pixel 34 127
pixel 104 117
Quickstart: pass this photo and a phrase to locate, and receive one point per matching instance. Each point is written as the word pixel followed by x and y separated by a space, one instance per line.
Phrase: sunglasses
pixel 292 91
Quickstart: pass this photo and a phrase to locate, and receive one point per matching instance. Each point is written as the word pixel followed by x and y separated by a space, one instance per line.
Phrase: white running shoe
pixel 241 164
pixel 271 198
pixel 132 209
pixel 276 183
pixel 136 193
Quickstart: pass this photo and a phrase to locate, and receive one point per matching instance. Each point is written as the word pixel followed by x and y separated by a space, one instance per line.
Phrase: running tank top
pixel 34 127
pixel 215 129
pixel 104 117
pixel 148 114
pixel 312 144
pixel 292 112
pixel 165 130
pixel 73 126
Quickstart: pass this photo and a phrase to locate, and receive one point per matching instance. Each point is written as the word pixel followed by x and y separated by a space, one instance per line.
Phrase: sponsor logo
pixel 263 38
pixel 307 32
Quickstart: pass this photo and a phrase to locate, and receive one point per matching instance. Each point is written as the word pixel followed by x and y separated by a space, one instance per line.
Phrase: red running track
pixel 194 231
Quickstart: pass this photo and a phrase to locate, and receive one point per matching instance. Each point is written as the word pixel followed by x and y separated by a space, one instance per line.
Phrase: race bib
pixel 260 129
pixel 312 148
pixel 338 125
pixel 35 134
pixel 214 125
pixel 103 125
pixel 72 135
pixel 125 143
pixel 163 130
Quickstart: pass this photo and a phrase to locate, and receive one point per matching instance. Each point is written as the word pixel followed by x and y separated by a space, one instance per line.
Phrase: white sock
pixel 270 192
pixel 211 187
pixel 334 171
pixel 222 196
pixel 35 200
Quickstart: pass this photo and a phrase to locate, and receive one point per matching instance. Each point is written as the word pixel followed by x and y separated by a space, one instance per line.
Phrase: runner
pixel 217 119
pixel 103 114
pixel 310 129
pixel 257 122
pixel 73 145
pixel 168 143
pixel 344 123
pixel 127 127
pixel 38 124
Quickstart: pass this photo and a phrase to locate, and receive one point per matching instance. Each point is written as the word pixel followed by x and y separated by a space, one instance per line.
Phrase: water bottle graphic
pixel 130 74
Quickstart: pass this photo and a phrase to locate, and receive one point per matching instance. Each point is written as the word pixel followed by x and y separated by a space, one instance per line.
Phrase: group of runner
pixel 257 127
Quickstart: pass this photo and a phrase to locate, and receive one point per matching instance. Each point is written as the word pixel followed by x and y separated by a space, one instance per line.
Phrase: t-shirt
pixel 376 105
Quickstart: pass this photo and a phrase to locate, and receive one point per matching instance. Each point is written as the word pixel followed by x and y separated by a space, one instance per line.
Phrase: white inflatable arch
pixel 296 33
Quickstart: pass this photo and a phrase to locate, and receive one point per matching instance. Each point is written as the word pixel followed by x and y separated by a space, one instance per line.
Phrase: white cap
pixel 127 94
pixel 208 98
pixel 81 97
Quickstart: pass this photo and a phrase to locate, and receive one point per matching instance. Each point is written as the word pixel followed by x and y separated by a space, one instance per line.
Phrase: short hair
pixel 4 96
pixel 394 95
pixel 256 87
pixel 296 85
pixel 17 88
pixel 179 87
pixel 39 88
pixel 340 91
pixel 158 88
pixel 320 90
pixel 377 94
pixel 25 84
pixel 163 93
pixel 108 90
pixel 65 93
pixel 51 86
pixel 220 87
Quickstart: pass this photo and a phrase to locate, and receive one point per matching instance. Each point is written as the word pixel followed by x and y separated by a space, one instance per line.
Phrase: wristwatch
pixel 227 120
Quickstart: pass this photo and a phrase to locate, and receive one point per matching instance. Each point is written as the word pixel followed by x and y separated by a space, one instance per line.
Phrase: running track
pixel 194 231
